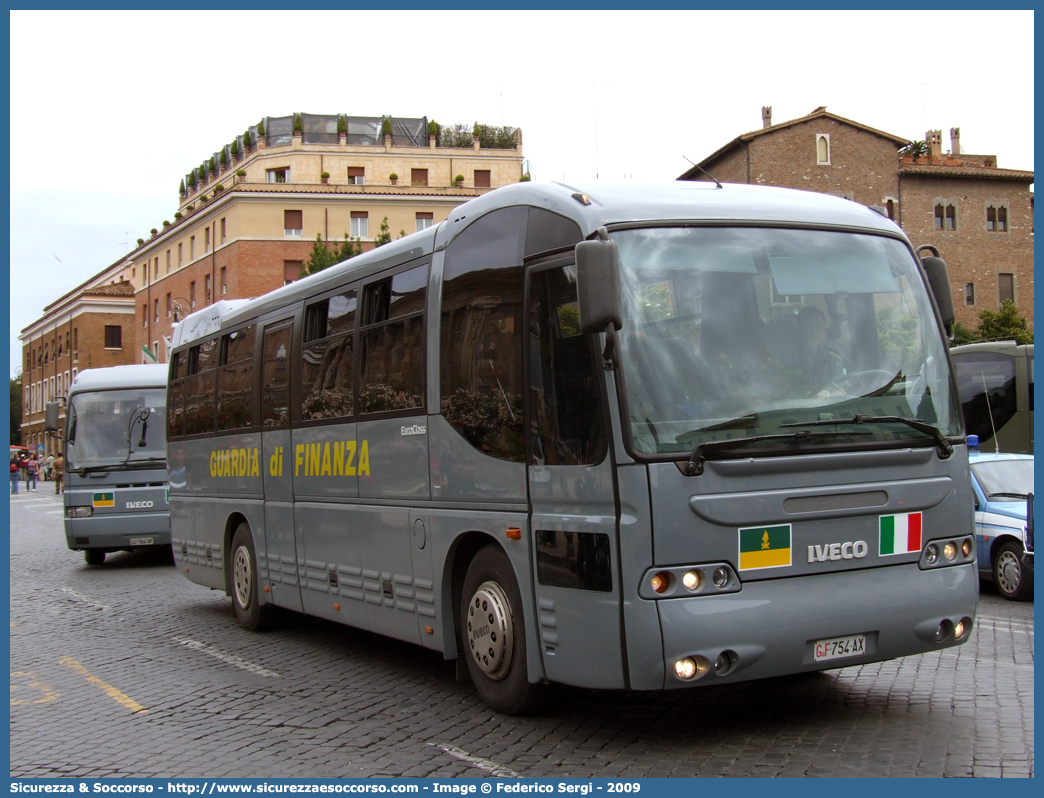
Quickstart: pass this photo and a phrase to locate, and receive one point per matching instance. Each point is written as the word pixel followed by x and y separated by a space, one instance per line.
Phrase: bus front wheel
pixel 249 612
pixel 494 635
pixel 93 556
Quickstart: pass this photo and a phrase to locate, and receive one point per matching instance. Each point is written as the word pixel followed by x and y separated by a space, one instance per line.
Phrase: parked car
pixel 1003 485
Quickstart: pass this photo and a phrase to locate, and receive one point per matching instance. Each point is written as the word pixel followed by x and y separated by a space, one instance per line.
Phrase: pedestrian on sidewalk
pixel 31 469
pixel 15 476
pixel 48 465
pixel 59 473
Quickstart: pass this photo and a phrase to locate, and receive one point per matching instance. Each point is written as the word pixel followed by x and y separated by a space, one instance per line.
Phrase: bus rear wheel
pixel 93 556
pixel 494 635
pixel 249 612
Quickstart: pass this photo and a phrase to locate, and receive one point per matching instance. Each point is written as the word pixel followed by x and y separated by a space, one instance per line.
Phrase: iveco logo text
pixel 837 551
pixel 138 505
pixel 416 429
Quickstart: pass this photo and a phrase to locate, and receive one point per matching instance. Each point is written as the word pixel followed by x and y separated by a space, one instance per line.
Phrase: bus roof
pixel 137 376
pixel 1000 347
pixel 590 205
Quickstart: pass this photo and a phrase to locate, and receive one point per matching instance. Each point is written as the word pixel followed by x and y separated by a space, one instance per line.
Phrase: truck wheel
pixel 249 612
pixel 1014 581
pixel 93 556
pixel 494 635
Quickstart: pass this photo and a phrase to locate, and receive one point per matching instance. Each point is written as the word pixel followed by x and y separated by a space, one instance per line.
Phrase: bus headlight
pixel 83 511
pixel 966 548
pixel 660 581
pixel 931 554
pixel 950 551
pixel 692 580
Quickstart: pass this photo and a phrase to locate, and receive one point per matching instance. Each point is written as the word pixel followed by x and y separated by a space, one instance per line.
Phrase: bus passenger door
pixel 571 490
pixel 277 553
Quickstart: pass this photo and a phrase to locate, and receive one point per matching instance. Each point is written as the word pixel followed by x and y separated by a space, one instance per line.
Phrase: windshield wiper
pixel 694 467
pixel 944 446
pixel 992 496
pixel 126 465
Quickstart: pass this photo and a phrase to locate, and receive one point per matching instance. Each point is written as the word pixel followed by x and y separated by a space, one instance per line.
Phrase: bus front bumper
pixel 801 624
pixel 118 532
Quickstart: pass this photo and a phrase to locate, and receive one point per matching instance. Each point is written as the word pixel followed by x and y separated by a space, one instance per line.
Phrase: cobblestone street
pixel 129 669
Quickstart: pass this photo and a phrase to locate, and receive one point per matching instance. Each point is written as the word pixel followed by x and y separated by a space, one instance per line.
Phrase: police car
pixel 1003 485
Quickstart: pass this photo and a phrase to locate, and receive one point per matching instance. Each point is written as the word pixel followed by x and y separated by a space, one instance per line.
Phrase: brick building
pixel 979 216
pixel 89 327
pixel 247 219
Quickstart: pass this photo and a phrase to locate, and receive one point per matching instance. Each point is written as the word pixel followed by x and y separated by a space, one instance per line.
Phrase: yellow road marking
pixel 114 693
pixel 48 694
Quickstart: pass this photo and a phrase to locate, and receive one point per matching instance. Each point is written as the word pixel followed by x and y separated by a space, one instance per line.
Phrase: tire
pixel 494 635
pixel 93 556
pixel 243 560
pixel 1014 582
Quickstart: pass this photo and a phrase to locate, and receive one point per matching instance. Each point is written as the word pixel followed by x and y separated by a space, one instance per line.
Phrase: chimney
pixel 934 140
pixel 955 142
pixel 766 116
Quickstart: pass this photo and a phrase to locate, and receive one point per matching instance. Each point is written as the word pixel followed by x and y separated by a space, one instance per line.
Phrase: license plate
pixel 141 541
pixel 840 647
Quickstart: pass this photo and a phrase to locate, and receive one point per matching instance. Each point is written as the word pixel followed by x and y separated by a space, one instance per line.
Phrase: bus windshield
pixel 117 429
pixel 740 333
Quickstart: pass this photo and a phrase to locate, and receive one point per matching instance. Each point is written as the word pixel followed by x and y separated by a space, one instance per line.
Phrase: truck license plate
pixel 141 541
pixel 840 647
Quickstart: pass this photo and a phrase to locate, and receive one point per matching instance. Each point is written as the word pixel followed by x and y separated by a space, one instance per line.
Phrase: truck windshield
pixel 741 333
pixel 117 428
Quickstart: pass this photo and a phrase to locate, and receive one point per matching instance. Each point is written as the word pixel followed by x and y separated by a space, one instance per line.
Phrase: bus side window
pixel 392 366
pixel 568 426
pixel 481 334
pixel 275 385
pixel 200 388
pixel 326 363
pixel 235 380
pixel 176 397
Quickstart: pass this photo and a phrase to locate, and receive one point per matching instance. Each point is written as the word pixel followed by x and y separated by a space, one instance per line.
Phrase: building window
pixel 291 270
pixel 222 231
pixel 278 175
pixel 206 240
pixel 360 224
pixel 168 261
pixel 192 294
pixel 206 289
pixel 945 216
pixel 357 175
pixel 890 207
pixel 425 220
pixel 823 148
pixel 113 336
pixel 168 306
pixel 997 219
pixel 418 177
pixel 181 259
pixel 482 178
pixel 969 293
pixel 155 305
pixel 293 223
pixel 224 285
pixel 1006 286
pixel 144 314
pixel 192 248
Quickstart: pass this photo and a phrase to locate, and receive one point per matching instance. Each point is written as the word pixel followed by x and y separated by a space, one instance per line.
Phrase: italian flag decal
pixel 764 547
pixel 900 534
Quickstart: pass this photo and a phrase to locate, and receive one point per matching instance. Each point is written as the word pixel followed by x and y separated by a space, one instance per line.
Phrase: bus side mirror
pixel 51 417
pixel 598 283
pixel 939 281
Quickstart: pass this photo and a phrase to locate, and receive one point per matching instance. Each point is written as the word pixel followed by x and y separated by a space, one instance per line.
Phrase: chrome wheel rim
pixel 241 576
pixel 1009 572
pixel 490 633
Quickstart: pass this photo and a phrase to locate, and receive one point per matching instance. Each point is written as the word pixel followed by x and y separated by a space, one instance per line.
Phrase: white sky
pixel 109 110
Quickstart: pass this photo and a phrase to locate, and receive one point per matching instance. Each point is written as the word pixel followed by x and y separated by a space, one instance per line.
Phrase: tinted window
pixel 481 339
pixel 236 380
pixel 275 384
pixel 986 381
pixel 199 388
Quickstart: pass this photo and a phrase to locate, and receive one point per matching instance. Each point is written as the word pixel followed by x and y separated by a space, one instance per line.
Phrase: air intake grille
pixel 836 501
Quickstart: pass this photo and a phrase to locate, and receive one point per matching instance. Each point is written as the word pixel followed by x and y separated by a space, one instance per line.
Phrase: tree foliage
pixel 324 255
pixel 1004 325
pixel 384 237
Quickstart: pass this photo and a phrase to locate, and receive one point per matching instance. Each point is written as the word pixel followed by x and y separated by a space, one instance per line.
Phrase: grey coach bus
pixel 115 460
pixel 614 437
